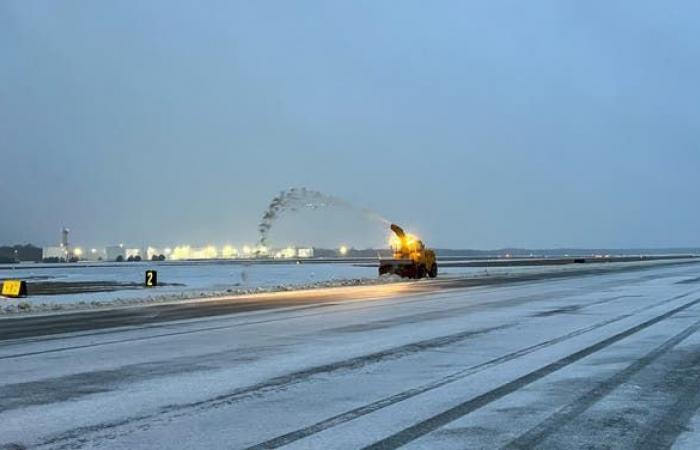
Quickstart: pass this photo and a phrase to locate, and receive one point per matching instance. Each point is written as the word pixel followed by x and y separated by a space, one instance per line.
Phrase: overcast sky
pixel 476 124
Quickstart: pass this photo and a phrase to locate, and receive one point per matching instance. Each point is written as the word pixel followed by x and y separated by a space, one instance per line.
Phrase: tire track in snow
pixel 283 382
pixel 664 432
pixel 72 438
pixel 431 424
pixel 563 416
pixel 442 313
pixel 347 416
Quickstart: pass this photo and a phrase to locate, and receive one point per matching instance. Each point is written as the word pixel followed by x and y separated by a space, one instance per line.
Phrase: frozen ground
pixel 185 281
pixel 193 278
pixel 604 361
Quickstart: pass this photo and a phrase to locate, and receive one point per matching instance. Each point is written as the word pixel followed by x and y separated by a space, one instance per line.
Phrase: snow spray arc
pixel 295 199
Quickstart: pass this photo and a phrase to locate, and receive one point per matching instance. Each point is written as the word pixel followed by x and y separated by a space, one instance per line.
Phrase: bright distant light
pixel 289 252
pixel 78 251
pixel 210 252
pixel 93 250
pixel 181 252
pixel 228 251
pixel 167 251
pixel 343 250
pixel 246 250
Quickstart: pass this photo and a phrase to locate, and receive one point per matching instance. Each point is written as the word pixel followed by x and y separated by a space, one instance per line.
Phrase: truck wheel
pixel 383 270
pixel 420 272
pixel 433 271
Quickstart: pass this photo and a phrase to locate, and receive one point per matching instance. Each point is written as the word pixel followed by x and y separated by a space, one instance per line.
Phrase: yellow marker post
pixel 14 288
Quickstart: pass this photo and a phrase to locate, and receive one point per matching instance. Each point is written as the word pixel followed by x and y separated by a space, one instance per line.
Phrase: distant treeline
pixel 17 253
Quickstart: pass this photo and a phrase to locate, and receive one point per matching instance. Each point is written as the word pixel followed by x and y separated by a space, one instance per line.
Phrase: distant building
pixel 113 252
pixel 292 252
pixel 94 254
pixel 152 252
pixel 287 253
pixel 305 252
pixel 64 237
pixel 54 252
pixel 62 252
pixel 133 253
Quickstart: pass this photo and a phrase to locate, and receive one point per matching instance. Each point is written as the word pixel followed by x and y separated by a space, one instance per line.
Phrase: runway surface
pixel 606 359
pixel 53 323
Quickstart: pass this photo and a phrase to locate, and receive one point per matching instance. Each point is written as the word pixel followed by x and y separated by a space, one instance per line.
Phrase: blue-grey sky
pixel 477 124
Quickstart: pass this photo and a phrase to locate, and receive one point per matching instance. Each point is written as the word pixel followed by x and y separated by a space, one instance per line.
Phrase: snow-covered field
pixel 179 281
pixel 197 277
pixel 195 280
pixel 598 361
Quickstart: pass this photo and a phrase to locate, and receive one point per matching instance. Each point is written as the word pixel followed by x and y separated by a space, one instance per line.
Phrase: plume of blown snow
pixel 295 199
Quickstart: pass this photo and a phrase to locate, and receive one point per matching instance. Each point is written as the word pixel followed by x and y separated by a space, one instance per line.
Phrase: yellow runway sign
pixel 151 278
pixel 14 288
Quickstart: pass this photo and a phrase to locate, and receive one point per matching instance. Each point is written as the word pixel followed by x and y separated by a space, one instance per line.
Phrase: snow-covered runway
pixel 608 360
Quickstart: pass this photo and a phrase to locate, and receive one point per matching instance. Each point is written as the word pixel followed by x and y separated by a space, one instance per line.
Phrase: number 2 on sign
pixel 151 278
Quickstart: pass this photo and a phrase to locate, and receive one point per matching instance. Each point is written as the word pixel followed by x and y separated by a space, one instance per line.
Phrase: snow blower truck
pixel 411 258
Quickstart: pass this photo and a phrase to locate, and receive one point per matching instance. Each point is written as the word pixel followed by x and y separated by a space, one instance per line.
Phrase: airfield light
pixel 343 250
pixel 181 252
pixel 210 252
pixel 93 250
pixel 78 251
pixel 228 251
